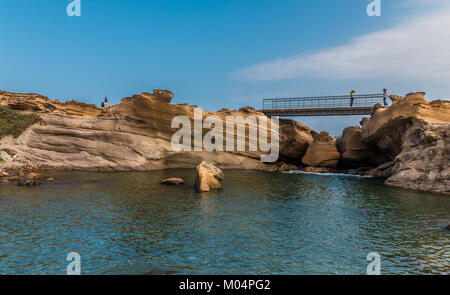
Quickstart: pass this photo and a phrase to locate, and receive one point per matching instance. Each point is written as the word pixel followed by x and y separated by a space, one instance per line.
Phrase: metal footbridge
pixel 341 105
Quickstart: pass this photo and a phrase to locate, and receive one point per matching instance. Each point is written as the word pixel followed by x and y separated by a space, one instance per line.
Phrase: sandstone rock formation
pixel 285 167
pixel 424 162
pixel 30 179
pixel 386 127
pixel 133 135
pixel 322 152
pixel 40 103
pixel 295 138
pixel 172 181
pixel 354 152
pixel 413 133
pixel 208 177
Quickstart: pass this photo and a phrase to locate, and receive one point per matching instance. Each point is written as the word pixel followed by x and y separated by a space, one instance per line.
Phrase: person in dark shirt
pixel 385 97
pixel 105 103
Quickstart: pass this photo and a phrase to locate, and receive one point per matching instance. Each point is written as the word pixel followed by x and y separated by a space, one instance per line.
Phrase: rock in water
pixel 448 226
pixel 30 179
pixel 415 134
pixel 172 181
pixel 295 138
pixel 354 152
pixel 322 152
pixel 285 167
pixel 208 177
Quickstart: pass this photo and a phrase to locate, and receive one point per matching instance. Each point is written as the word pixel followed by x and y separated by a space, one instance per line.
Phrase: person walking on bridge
pixel 352 94
pixel 385 97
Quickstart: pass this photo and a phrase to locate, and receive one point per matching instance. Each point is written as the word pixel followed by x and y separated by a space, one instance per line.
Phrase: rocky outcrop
pixel 354 152
pixel 295 138
pixel 172 181
pixel 424 161
pixel 39 103
pixel 133 135
pixel 386 127
pixel 413 133
pixel 322 152
pixel 208 177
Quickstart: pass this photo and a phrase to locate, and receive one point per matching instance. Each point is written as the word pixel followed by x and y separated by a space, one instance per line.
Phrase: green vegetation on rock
pixel 13 122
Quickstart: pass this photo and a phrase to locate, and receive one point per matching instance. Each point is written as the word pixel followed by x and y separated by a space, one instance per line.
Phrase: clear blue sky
pixel 194 48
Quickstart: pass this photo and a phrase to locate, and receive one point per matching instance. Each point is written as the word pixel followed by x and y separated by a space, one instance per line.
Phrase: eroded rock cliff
pixel 133 135
pixel 414 134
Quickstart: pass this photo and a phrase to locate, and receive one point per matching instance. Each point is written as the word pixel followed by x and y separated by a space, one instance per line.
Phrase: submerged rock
pixel 322 152
pixel 285 167
pixel 172 181
pixel 31 179
pixel 322 170
pixel 208 177
pixel 448 226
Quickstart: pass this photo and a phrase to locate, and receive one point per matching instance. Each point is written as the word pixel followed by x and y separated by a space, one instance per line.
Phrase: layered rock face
pixel 413 133
pixel 39 103
pixel 322 152
pixel 423 163
pixel 386 127
pixel 133 135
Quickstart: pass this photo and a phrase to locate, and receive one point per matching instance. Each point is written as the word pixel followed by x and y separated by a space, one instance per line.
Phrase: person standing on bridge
pixel 385 97
pixel 352 94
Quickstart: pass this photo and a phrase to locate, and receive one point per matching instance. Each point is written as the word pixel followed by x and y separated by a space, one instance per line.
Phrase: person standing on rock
pixel 385 97
pixel 105 103
pixel 352 94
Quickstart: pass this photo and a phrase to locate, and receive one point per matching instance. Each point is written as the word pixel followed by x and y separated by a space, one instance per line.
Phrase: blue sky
pixel 224 53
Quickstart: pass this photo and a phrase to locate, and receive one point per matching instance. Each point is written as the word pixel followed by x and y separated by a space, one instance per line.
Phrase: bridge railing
pixel 322 101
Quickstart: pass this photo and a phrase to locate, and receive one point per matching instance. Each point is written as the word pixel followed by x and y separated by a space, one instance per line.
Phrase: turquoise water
pixel 258 223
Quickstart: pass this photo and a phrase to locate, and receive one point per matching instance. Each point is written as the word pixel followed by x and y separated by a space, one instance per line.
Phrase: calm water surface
pixel 258 223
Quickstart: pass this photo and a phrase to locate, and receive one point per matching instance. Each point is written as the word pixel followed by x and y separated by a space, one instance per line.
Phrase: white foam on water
pixel 327 174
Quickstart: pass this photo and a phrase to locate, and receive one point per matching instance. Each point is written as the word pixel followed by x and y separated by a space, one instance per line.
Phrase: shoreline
pixel 403 143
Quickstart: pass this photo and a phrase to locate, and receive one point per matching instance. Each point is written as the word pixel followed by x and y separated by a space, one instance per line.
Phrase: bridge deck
pixel 340 111
pixel 341 105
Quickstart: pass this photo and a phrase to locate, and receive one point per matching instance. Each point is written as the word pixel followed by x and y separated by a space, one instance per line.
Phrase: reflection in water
pixel 258 223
